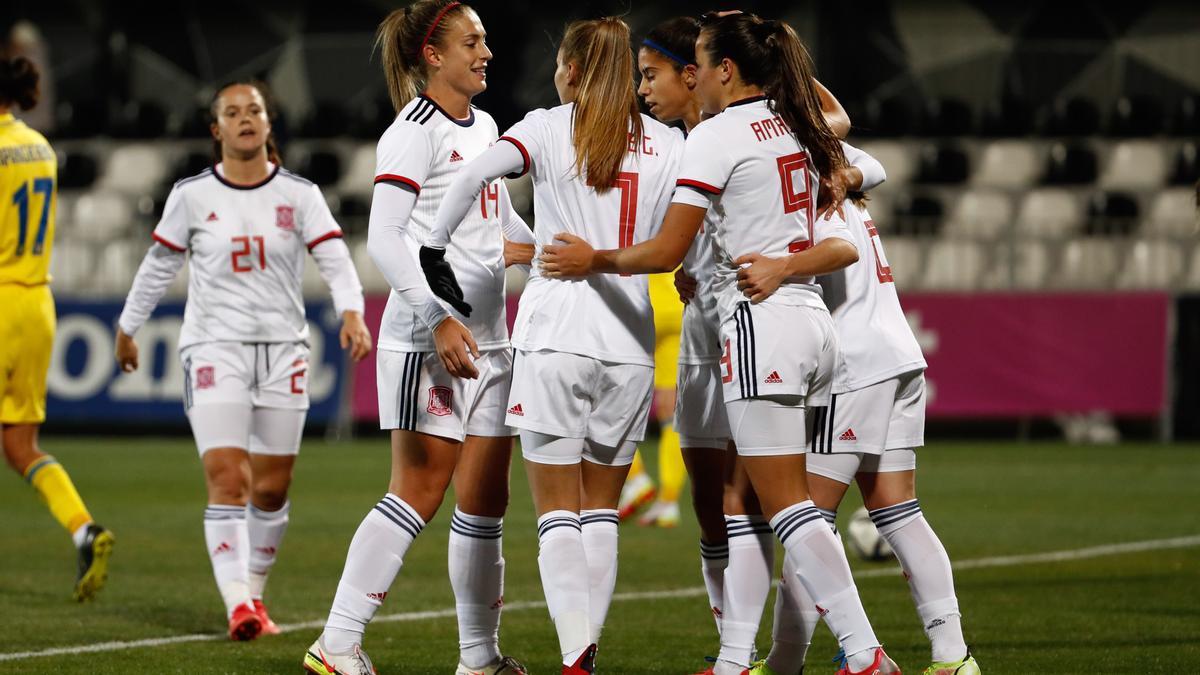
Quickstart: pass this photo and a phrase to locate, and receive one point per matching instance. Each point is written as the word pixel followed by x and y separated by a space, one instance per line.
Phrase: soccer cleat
pixel 660 514
pixel 584 665
pixel 505 665
pixel 244 625
pixel 638 492
pixel 965 666
pixel 760 667
pixel 268 626
pixel 321 662
pixel 712 660
pixel 93 562
pixel 882 665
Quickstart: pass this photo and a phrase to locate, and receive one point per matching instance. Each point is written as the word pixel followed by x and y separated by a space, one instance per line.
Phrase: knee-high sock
pixel 476 564
pixel 372 563
pixel 600 546
pixel 927 567
pixel 229 550
pixel 672 473
pixel 714 559
pixel 564 567
pixel 55 488
pixel 747 586
pixel 796 616
pixel 821 565
pixel 265 530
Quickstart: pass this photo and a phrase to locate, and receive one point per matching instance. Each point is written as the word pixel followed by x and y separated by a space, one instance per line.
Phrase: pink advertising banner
pixel 1002 354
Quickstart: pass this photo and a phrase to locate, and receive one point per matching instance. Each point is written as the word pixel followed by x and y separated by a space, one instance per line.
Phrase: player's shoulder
pixel 294 180
pixel 663 134
pixel 195 182
pixel 32 145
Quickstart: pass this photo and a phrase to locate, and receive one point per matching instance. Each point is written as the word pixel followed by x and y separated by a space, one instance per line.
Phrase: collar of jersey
pixel 239 186
pixel 462 123
pixel 7 118
pixel 747 101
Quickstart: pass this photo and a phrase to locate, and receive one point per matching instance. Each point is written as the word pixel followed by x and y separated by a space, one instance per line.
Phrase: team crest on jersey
pixel 205 377
pixel 285 218
pixel 440 401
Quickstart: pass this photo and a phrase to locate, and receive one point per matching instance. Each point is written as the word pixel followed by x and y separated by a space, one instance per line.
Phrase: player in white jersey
pixel 244 227
pixel 753 162
pixel 584 370
pixel 870 430
pixel 445 409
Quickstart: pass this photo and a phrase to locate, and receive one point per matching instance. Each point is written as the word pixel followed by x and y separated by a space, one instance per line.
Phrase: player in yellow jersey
pixel 28 170
pixel 639 487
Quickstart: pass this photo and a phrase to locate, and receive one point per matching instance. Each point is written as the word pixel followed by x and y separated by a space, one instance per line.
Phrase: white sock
pixel 266 530
pixel 821 565
pixel 930 579
pixel 229 549
pixel 476 564
pixel 714 558
pixel 564 567
pixel 747 584
pixel 796 618
pixel 600 546
pixel 372 563
pixel 80 534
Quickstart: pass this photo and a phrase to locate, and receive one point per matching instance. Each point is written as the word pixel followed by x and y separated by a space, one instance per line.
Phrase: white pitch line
pixel 632 596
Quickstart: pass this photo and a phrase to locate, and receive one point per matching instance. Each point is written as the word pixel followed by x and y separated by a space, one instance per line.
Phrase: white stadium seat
pixel 1049 213
pixel 359 178
pixel 1008 165
pixel 100 216
pixel 1152 264
pixel 1135 165
pixel 904 257
pixel 1173 213
pixel 117 262
pixel 372 279
pixel 1025 266
pixel 980 214
pixel 136 169
pixel 953 266
pixel 1090 262
pixel 71 266
pixel 897 159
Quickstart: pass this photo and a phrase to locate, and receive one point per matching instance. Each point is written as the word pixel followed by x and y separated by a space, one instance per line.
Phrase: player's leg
pixel 748 574
pixel 639 489
pixel 672 474
pixel 602 475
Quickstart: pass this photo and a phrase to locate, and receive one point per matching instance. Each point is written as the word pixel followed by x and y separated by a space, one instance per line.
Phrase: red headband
pixel 436 20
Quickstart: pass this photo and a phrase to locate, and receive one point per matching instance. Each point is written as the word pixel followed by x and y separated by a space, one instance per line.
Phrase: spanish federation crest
pixel 285 218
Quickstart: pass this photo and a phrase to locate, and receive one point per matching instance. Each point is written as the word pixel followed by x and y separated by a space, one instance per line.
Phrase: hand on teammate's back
pixel 833 194
pixel 761 276
pixel 570 259
pixel 355 336
pixel 441 279
pixel 685 285
pixel 456 348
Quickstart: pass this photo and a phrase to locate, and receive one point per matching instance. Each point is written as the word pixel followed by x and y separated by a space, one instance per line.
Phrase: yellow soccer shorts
pixel 668 321
pixel 26 340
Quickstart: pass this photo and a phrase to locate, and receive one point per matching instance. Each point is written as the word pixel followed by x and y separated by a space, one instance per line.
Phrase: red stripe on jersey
pixel 174 247
pixel 524 155
pixel 687 182
pixel 394 178
pixel 332 234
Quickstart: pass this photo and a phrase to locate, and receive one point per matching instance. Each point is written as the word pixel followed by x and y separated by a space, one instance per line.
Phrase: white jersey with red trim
pixel 875 340
pixel 759 180
pixel 605 316
pixel 700 334
pixel 247 246
pixel 423 149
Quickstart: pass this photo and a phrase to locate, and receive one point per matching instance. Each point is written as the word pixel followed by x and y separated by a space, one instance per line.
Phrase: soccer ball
pixel 864 539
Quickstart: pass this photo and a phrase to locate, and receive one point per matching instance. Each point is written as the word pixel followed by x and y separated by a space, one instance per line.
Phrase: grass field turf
pixel 1128 613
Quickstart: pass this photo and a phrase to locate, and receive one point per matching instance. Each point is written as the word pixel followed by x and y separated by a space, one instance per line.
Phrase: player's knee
pixel 269 496
pixel 486 500
pixel 227 485
pixel 20 455
pixel 425 498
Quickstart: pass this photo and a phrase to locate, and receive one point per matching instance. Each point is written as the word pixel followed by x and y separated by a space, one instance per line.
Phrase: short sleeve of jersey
pixel 833 228
pixel 529 135
pixel 705 168
pixel 172 229
pixel 316 222
pixel 404 155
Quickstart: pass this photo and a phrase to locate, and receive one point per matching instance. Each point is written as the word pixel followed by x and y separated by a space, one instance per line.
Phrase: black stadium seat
pixel 191 164
pixel 327 120
pixel 322 167
pixel 76 170
pixel 80 119
pixel 1007 117
pixel 141 119
pixel 1073 164
pixel 948 117
pixel 1187 165
pixel 370 123
pixel 1074 117
pixel 943 165
pixel 1186 120
pixel 894 116
pixel 197 124
pixel 1111 214
pixel 919 215
pixel 1137 116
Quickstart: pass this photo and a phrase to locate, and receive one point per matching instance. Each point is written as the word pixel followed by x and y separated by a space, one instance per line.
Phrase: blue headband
pixel 666 52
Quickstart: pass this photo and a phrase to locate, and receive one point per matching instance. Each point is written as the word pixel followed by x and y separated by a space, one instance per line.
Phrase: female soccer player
pixel 754 160
pixel 245 225
pixel 443 375
pixel 584 372
pixel 27 210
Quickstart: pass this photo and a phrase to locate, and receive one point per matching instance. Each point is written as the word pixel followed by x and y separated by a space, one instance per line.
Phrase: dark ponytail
pixel 771 56
pixel 273 154
pixel 676 40
pixel 19 82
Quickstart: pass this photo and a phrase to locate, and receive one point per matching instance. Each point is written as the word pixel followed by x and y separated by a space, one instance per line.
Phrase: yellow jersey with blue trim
pixel 28 182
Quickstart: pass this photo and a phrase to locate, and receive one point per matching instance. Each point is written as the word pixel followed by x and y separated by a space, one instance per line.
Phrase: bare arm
pixel 576 258
pixel 835 115
pixel 762 276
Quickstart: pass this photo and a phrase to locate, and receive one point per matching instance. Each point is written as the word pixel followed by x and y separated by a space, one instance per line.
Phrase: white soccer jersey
pixel 247 245
pixel 700 334
pixel 876 342
pixel 749 167
pixel 605 316
pixel 423 149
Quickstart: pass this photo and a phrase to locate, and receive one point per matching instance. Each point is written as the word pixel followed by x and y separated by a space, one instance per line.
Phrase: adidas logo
pixel 717 612
pixel 266 550
pixel 223 548
pixel 379 597
pixel 848 436
pixel 773 378
pixel 516 410
pixel 498 603
pixel 454 156
pixel 212 217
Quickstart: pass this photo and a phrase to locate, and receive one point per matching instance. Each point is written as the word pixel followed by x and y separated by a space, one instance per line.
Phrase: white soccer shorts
pixel 843 466
pixel 700 418
pixel 887 415
pixel 417 393
pixel 779 350
pixel 574 396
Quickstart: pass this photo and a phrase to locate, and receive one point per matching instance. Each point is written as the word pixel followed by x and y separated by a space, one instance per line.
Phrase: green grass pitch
pixel 1132 612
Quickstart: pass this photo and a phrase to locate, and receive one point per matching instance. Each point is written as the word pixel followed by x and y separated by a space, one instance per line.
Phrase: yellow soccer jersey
pixel 28 177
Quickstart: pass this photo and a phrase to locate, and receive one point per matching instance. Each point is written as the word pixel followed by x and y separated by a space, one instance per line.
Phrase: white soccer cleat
pixel 320 661
pixel 505 665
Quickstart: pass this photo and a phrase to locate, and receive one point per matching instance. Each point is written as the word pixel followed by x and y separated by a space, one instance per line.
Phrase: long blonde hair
pixel 606 120
pixel 402 37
